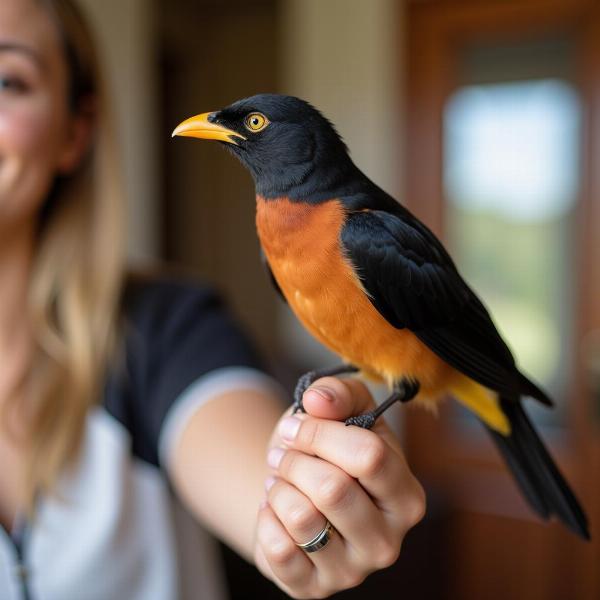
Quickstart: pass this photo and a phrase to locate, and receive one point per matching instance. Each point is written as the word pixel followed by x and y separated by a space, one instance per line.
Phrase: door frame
pixel 469 469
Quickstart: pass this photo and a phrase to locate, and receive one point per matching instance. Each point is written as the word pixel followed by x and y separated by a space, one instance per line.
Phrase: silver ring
pixel 320 540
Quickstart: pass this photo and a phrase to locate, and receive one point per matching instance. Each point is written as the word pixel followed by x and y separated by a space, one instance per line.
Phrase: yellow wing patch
pixel 483 402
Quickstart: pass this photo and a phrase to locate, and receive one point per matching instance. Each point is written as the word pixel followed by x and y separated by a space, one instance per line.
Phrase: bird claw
pixel 298 407
pixel 365 421
pixel 304 382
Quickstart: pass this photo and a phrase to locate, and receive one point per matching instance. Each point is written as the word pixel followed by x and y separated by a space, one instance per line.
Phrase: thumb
pixel 337 399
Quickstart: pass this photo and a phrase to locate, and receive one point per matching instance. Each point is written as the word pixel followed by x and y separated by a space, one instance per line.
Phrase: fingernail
pixel 269 482
pixel 274 457
pixel 288 428
pixel 324 392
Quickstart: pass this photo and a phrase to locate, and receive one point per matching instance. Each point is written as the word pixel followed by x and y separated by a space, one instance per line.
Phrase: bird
pixel 371 282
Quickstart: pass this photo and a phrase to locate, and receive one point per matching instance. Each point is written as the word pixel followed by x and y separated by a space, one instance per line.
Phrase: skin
pixel 357 479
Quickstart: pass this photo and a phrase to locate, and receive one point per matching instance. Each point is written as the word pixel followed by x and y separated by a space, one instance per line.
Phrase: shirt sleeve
pixel 183 348
pixel 207 387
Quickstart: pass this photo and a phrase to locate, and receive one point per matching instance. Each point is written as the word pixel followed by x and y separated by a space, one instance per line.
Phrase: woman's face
pixel 37 138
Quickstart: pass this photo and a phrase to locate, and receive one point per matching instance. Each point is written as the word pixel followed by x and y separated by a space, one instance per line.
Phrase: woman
pixel 116 399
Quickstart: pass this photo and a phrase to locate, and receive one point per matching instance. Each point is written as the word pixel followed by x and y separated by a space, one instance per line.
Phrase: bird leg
pixel 404 390
pixel 306 380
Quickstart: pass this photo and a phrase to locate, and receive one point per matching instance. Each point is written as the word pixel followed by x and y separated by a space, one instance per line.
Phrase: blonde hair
pixel 77 275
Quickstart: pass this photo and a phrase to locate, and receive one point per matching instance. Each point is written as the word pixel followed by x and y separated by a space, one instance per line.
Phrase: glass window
pixel 511 176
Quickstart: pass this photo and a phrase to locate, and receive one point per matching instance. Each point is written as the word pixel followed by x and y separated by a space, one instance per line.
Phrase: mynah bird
pixel 377 287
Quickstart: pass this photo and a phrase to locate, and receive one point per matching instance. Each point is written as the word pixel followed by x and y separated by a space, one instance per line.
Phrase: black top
pixel 114 512
pixel 175 332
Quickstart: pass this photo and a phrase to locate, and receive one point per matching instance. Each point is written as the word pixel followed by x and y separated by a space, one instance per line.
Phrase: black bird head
pixel 289 147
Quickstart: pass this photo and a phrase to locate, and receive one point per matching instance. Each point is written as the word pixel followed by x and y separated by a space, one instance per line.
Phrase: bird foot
pixel 298 407
pixel 306 380
pixel 404 390
pixel 407 389
pixel 366 421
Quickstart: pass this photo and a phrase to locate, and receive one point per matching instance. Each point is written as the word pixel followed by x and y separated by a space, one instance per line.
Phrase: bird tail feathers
pixel 535 472
pixel 528 388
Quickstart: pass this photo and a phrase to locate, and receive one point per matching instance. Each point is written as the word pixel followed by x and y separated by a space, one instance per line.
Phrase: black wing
pixel 413 283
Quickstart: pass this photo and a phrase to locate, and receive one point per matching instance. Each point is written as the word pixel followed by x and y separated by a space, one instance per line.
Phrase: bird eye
pixel 256 122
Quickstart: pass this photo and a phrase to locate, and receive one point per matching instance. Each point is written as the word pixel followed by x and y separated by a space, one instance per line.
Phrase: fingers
pixel 290 518
pixel 278 556
pixel 303 521
pixel 337 399
pixel 306 492
pixel 364 455
pixel 339 498
pixel 355 478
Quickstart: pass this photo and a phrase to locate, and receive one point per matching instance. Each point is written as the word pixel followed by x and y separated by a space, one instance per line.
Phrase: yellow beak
pixel 200 127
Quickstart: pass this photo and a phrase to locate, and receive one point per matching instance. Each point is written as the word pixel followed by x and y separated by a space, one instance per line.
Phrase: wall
pixel 125 32
pixel 345 57
pixel 214 52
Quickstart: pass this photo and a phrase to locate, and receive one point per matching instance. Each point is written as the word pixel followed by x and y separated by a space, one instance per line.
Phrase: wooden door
pixel 526 233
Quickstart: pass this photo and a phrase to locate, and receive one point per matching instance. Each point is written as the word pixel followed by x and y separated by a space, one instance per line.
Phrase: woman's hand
pixel 323 470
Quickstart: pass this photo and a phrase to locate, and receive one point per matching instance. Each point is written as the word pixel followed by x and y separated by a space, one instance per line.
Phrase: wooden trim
pixel 437 31
pixel 586 416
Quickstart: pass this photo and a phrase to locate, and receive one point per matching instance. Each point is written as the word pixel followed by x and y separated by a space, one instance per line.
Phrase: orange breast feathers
pixel 302 244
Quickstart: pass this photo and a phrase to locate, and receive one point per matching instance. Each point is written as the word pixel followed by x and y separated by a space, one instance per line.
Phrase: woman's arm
pixel 219 466
pixel 319 470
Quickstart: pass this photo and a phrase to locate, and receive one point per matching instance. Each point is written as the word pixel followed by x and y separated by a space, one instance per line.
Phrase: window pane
pixel 511 180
